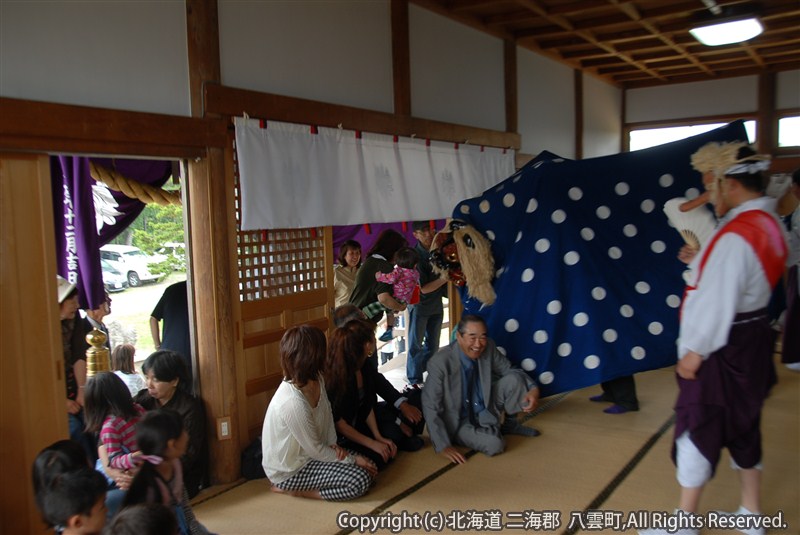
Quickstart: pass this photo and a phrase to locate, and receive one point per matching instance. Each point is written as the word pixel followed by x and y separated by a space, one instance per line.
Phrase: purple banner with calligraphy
pixel 87 214
pixel 76 234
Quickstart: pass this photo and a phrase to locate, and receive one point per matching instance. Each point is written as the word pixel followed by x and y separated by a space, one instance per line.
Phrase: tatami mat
pixel 584 460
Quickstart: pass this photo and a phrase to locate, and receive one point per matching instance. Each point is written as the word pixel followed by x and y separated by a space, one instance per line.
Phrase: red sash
pixel 763 234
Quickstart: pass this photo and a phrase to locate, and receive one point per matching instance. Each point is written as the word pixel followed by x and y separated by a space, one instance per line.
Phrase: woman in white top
pixel 300 454
pixel 344 274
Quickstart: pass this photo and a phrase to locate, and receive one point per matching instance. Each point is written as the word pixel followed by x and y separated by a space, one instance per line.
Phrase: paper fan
pixel 695 226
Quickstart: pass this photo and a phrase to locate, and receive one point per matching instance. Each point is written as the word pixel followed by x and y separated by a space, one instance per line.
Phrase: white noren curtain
pixel 291 178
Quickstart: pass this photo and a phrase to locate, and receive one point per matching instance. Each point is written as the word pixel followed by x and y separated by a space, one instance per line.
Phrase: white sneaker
pixel 742 511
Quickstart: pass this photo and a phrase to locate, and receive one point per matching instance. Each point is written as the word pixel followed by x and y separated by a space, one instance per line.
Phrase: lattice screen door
pixel 285 279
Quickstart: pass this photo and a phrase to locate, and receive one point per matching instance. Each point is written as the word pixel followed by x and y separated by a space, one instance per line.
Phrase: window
pixel 789 132
pixel 646 138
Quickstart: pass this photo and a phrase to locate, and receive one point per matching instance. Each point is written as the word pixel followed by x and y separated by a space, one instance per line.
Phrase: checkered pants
pixel 335 481
pixel 375 309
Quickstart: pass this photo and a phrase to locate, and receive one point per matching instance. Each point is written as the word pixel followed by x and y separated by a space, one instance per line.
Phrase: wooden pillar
pixel 214 285
pixel 401 58
pixel 202 36
pixel 32 389
pixel 510 83
pixel 213 281
pixel 578 88
pixel 766 125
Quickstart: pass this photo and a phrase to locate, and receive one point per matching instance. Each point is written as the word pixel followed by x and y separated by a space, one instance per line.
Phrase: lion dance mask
pixel 463 255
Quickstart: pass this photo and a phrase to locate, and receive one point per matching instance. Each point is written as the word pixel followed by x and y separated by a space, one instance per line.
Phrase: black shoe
pixel 412 443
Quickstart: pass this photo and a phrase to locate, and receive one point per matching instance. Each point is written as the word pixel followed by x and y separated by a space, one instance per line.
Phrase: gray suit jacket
pixel 442 396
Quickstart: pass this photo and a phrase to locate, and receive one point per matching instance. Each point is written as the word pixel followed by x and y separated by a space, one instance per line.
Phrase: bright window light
pixel 789 132
pixel 726 33
pixel 644 139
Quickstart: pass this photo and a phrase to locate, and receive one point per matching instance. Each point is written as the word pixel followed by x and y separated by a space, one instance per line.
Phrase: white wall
pixel 456 72
pixel 545 104
pixel 696 99
pixel 602 118
pixel 337 52
pixel 787 90
pixel 126 54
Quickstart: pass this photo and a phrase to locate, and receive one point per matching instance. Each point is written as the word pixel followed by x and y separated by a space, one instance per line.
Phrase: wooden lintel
pixel 234 102
pixel 37 125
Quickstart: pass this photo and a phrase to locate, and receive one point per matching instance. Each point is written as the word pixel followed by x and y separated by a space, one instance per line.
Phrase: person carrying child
pixel 404 279
pixel 162 441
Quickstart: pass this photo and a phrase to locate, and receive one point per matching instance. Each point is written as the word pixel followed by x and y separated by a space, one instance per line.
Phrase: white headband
pixel 749 168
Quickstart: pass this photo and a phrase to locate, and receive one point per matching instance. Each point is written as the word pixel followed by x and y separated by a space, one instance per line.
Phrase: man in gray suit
pixel 470 387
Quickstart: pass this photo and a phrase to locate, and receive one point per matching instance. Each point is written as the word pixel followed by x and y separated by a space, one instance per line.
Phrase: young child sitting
pixel 110 410
pixel 162 441
pixel 73 502
pixel 404 279
pixel 122 365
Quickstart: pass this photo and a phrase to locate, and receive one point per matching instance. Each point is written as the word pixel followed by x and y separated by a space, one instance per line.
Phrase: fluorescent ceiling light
pixel 725 33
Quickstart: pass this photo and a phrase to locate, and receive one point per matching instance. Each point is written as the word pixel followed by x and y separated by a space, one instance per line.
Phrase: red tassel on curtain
pixel 358 134
pixel 405 226
pixel 395 138
pixel 264 236
pixel 432 224
pixel 262 123
pixel 313 129
pixel 313 233
pixel 367 229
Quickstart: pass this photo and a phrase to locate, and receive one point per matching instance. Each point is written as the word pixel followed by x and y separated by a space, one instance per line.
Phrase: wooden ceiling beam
pixel 636 16
pixel 604 37
pixel 468 5
pixel 471 21
pixel 632 34
pixel 536 7
pixel 584 54
pixel 577 7
pixel 511 17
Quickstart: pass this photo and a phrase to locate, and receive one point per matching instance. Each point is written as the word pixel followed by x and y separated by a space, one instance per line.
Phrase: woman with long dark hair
pixel 351 384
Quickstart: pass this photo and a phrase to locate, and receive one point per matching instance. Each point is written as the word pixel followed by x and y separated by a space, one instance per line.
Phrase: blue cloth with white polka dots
pixel 587 277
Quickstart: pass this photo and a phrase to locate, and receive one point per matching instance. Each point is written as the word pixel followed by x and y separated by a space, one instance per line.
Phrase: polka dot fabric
pixel 587 280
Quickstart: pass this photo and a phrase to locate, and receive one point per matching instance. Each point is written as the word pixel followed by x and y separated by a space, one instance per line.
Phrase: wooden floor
pixel 586 467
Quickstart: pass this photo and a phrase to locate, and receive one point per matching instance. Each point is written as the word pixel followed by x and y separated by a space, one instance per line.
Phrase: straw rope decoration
pixel 135 190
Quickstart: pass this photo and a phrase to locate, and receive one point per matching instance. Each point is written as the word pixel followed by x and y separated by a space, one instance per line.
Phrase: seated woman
pixel 169 386
pixel 351 384
pixel 300 454
pixel 344 274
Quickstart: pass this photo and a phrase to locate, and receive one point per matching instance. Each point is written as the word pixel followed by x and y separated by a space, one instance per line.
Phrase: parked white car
pixel 131 262
pixel 113 279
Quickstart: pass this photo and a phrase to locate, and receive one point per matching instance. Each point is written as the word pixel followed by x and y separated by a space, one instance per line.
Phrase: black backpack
pixel 251 461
